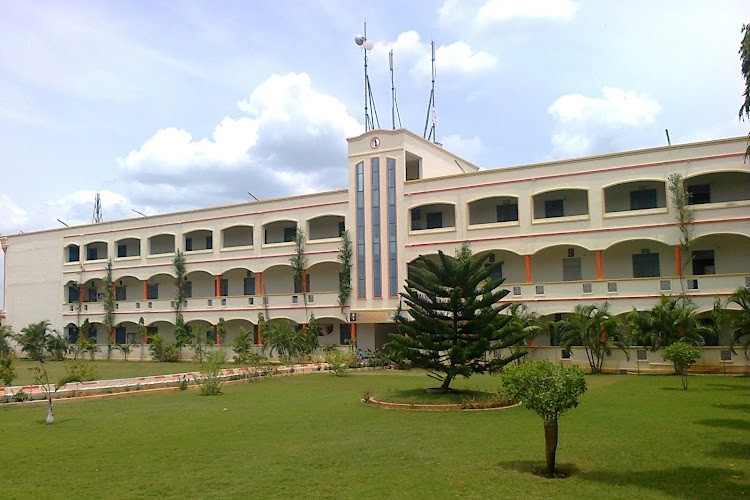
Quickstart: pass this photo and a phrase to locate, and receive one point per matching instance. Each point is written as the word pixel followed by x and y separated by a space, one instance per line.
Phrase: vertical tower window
pixel 392 257
pixel 376 269
pixel 361 230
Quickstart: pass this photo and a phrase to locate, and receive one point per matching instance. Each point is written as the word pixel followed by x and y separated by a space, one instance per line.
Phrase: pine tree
pixel 453 318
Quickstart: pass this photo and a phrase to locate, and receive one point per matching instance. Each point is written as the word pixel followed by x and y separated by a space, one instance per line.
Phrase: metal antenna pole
pixel 393 92
pixel 431 105
pixel 97 216
pixel 367 84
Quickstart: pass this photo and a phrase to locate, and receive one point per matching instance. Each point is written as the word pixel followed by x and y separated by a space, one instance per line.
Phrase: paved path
pixel 120 385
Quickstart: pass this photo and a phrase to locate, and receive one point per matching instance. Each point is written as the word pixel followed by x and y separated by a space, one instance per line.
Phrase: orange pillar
pixel 599 265
pixel 145 290
pixel 259 284
pixel 354 334
pixel 527 260
pixel 218 285
pixel 260 335
pixel 80 294
pixel 678 260
pixel 218 335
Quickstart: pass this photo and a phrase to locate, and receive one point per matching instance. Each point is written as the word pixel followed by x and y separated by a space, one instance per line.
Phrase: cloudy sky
pixel 162 105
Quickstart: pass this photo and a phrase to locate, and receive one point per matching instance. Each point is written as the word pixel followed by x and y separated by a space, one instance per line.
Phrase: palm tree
pixel 673 319
pixel 6 333
pixel 741 322
pixel 523 324
pixel 597 330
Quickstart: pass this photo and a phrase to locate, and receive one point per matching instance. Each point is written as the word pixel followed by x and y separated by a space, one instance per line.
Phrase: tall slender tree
pixel 181 333
pixel 345 276
pixel 453 318
pixel 109 307
pixel 596 330
pixel 745 68
pixel 298 262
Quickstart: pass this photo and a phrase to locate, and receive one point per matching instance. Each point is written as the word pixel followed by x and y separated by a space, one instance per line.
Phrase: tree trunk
pixel 446 383
pixel 50 412
pixel 550 443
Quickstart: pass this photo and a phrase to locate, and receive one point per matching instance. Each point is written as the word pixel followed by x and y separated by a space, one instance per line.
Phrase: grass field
pixel 103 369
pixel 310 437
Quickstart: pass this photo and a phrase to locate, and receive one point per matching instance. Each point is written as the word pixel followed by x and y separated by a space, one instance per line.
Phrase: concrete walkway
pixel 121 385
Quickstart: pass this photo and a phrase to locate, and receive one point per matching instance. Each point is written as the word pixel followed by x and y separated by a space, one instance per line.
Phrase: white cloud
pixel 13 215
pixel 499 11
pixel 455 59
pixel 591 124
pixel 78 207
pixel 453 11
pixel 292 141
pixel 465 147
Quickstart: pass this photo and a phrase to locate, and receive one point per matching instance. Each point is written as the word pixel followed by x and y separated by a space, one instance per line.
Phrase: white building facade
pixel 590 230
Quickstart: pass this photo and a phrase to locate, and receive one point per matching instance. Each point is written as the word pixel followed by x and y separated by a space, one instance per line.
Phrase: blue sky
pixel 169 105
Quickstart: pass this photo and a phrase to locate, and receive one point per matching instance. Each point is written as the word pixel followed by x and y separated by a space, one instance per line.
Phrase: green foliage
pixel 298 260
pixel 596 330
pixel 338 360
pixel 183 336
pixel 745 68
pixel 684 213
pixel 243 346
pixel 672 320
pixel 209 379
pixel 180 272
pixel 523 324
pixel 453 320
pixel 21 396
pixel 124 349
pixel 109 306
pixel 740 323
pixel 161 350
pixel 289 343
pixel 81 370
pixel 7 370
pixel 549 390
pixel 345 277
pixel 35 338
pixel 545 388
pixel 6 334
pixel 682 355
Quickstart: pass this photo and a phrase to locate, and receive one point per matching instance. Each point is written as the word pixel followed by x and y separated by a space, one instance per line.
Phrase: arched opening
pixel 161 244
pixel 237 236
pixel 128 247
pixel 639 258
pixel 72 253
pixel 635 195
pixel 561 203
pixel 325 227
pixel 493 210
pixel 718 187
pixel 282 231
pixel 433 216
pixel 97 250
pixel 563 263
pixel 200 239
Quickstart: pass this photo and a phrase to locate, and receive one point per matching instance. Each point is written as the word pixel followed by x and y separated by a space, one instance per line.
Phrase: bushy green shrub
pixel 82 370
pixel 682 355
pixel 7 370
pixel 209 379
pixel 162 350
pixel 338 360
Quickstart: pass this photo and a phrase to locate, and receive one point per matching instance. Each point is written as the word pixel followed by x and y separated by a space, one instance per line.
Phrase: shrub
pixel 209 379
pixel 7 370
pixel 80 369
pixel 339 361
pixel 162 350
pixel 682 355
pixel 21 396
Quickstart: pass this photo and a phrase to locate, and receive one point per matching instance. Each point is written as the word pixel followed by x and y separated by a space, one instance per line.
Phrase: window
pixel 699 194
pixel 507 212
pixel 73 333
pixel 121 293
pixel 646 265
pixel 392 250
pixel 416 219
pixel 187 289
pixel 120 335
pixel 92 294
pixel 298 288
pixel 152 292
pixel 643 199
pixel 345 334
pixel 553 208
pixel 377 288
pixel 342 228
pixel 73 293
pixel 91 253
pixel 74 253
pixel 189 244
pixel 497 274
pixel 224 287
pixel 703 262
pixel 434 220
pixel 361 290
pixel 248 286
pixel 122 250
pixel 209 242
pixel 289 233
pixel 572 269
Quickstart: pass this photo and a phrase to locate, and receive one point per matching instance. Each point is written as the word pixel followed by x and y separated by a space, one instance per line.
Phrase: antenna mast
pixel 394 104
pixel 431 113
pixel 370 121
pixel 97 216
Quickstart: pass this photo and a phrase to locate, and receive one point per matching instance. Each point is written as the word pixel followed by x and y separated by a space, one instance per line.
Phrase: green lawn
pixel 633 437
pixel 103 369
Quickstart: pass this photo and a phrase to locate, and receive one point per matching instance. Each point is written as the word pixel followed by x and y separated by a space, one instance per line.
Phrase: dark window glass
pixel 248 286
pixel 153 292
pixel 376 263
pixel 289 233
pixel 507 212
pixel 361 291
pixel 703 262
pixel 342 228
pixel 122 250
pixel 699 194
pixel 187 288
pixel 643 199
pixel 188 244
pixel 572 269
pixel 120 335
pixel 121 293
pixel 92 294
pixel 345 334
pixel 224 287
pixel 392 255
pixel 646 265
pixel 553 208
pixel 434 220
pixel 73 294
pixel 73 333
pixel 209 242
pixel 91 253
pixel 74 253
pixel 416 219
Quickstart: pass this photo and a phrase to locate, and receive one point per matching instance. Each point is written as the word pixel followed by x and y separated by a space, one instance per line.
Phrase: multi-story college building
pixel 568 232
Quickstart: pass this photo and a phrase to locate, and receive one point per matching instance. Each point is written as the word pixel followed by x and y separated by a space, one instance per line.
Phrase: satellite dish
pixel 359 39
pixel 368 45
